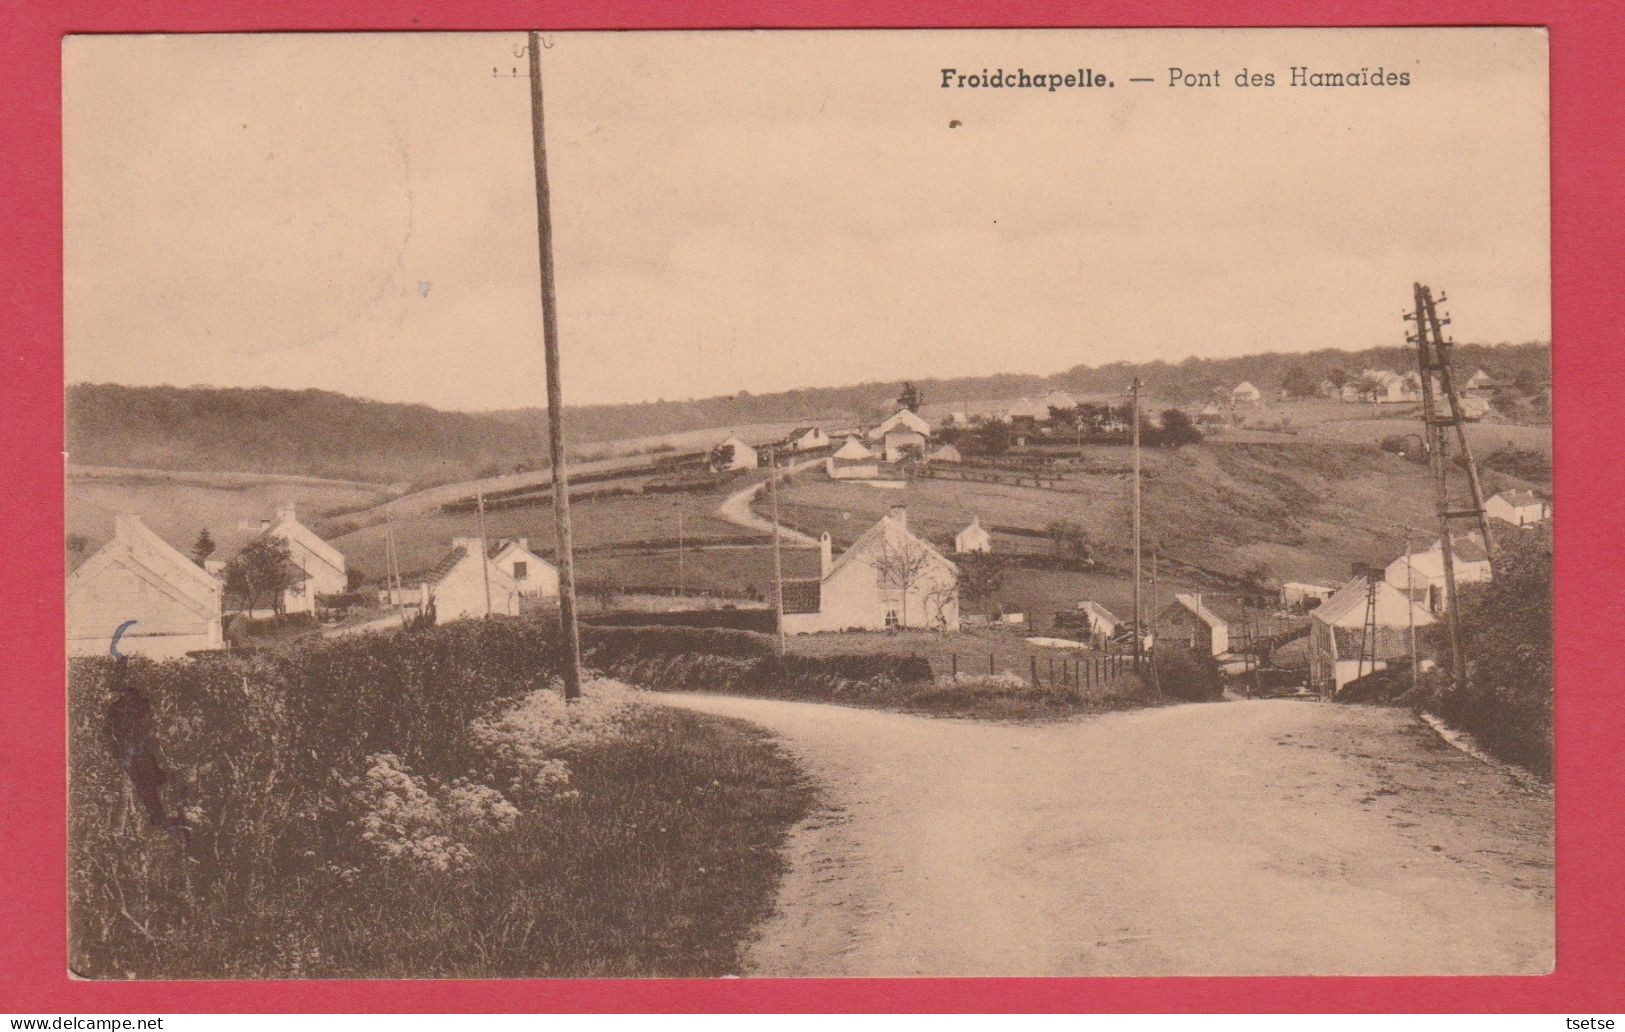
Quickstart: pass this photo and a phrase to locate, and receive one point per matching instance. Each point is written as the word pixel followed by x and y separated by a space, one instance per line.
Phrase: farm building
pixel 1187 623
pixel 1519 508
pixel 737 455
pixel 461 586
pixel 1338 631
pixel 898 444
pixel 889 578
pixel 1102 623
pixel 1298 593
pixel 534 576
pixel 973 538
pixel 139 576
pixel 1210 413
pixel 946 453
pixel 1245 394
pixel 1471 562
pixel 853 460
pixel 805 438
pixel 902 419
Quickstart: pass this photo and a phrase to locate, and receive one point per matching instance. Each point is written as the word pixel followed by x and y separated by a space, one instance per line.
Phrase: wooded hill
pixel 321 433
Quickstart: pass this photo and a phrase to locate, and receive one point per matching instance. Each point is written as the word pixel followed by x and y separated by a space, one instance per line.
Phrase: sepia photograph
pixel 859 503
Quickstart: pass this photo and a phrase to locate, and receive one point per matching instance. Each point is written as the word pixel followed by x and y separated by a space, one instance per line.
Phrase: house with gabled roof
pixel 737 453
pixel 973 537
pixel 1245 394
pixel 853 460
pixel 1101 622
pixel 902 419
pixel 175 603
pixel 1425 577
pixel 1519 508
pixel 467 583
pixel 1369 618
pixel 316 567
pixel 946 453
pixel 805 438
pixel 534 576
pixel 890 578
pixel 1187 623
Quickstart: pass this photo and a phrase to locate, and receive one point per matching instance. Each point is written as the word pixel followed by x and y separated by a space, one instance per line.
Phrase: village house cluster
pixel 179 605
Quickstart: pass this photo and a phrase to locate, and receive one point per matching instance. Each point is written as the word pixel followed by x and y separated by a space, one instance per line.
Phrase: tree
pixel 1338 377
pixel 203 547
pixel 1298 383
pixel 901 564
pixel 910 398
pixel 354 578
pixel 1177 429
pixel 1257 582
pixel 1070 541
pixel 995 437
pixel 722 457
pixel 981 575
pixel 262 570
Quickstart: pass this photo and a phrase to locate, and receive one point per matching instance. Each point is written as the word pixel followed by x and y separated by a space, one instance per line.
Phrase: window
pixel 520 571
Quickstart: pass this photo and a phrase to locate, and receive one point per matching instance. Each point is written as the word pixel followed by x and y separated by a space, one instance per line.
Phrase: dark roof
pixel 803 596
pixel 445 565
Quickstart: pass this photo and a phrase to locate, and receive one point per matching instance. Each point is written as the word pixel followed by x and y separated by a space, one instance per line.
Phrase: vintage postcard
pixel 808 503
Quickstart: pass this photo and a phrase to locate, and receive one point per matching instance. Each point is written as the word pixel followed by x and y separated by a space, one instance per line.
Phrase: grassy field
pixel 178 505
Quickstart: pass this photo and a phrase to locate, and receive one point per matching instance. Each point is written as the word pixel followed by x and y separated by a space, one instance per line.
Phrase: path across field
pixel 1269 837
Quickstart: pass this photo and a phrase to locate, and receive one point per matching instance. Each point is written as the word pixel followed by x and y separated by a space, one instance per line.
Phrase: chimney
pixel 826 555
pixel 523 543
pixel 899 516
pixel 287 511
pixel 471 545
pixel 265 524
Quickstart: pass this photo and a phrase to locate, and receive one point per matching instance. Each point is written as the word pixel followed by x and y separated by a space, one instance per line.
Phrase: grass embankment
pixel 418 805
pixel 746 663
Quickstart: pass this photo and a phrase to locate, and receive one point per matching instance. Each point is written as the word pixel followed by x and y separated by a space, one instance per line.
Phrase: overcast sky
pixel 760 211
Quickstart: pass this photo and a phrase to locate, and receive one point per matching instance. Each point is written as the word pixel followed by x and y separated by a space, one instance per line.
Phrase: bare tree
pixel 900 565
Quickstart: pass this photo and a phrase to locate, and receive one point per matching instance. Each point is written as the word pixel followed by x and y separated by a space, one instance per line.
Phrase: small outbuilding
pixel 1187 623
pixel 973 538
pixel 1519 508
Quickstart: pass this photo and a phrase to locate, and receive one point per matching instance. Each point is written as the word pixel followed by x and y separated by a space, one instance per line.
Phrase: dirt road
pixel 1274 837
pixel 736 510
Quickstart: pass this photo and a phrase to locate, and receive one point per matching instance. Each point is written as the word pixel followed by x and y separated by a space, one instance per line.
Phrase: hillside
pixel 320 433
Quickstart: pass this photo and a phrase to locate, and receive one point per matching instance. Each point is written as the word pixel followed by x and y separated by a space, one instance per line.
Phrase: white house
pixel 466 584
pixel 534 576
pixel 1480 384
pixel 853 460
pixel 1519 508
pixel 806 438
pixel 320 567
pixel 1190 624
pixel 743 455
pixel 1471 562
pixel 889 578
pixel 973 538
pixel 1338 634
pixel 899 442
pixel 1244 393
pixel 901 419
pixel 139 576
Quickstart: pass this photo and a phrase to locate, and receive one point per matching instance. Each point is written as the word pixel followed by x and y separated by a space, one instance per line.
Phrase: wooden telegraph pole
pixel 555 395
pixel 778 562
pixel 1139 623
pixel 1410 605
pixel 485 550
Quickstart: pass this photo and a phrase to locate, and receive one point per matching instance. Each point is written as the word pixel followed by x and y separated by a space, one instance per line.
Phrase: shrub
pixel 761 621
pixel 1184 674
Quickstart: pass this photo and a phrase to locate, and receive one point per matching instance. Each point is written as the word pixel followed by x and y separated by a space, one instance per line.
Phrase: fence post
pixel 955 657
pixel 990 664
pixel 1034 661
pixel 1052 670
